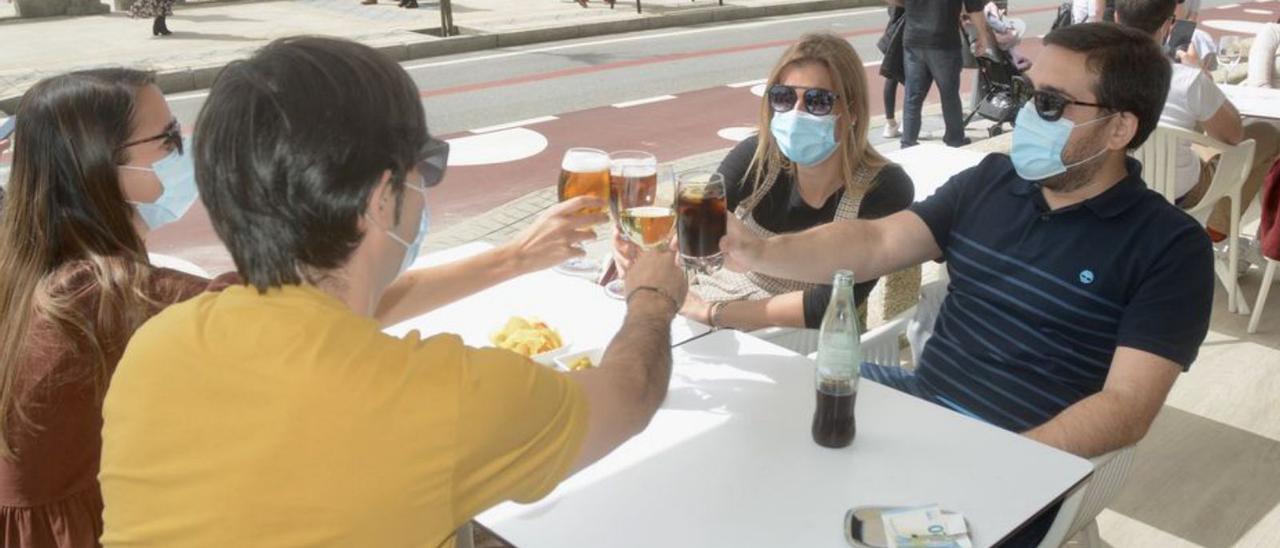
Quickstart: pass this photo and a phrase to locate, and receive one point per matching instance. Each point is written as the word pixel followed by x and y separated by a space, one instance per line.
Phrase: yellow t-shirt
pixel 239 419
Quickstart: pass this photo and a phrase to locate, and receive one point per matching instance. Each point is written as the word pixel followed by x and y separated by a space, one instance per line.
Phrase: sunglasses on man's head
pixel 432 162
pixel 1051 105
pixel 171 136
pixel 817 101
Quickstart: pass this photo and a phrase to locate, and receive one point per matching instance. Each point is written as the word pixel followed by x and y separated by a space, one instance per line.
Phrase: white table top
pixel 729 461
pixel 579 309
pixel 1254 102
pixel 931 165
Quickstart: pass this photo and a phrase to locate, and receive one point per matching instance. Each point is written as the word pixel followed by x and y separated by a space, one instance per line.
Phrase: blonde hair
pixel 849 81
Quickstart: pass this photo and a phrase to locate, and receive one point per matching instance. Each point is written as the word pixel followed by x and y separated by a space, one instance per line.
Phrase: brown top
pixel 49 494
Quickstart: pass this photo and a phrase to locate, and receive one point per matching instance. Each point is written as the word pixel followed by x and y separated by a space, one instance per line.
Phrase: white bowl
pixel 594 354
pixel 548 358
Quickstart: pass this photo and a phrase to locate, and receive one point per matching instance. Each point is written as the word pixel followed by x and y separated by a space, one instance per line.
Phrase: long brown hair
pixel 64 204
pixel 849 79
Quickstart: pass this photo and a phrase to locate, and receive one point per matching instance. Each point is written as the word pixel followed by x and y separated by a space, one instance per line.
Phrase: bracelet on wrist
pixel 713 318
pixel 675 306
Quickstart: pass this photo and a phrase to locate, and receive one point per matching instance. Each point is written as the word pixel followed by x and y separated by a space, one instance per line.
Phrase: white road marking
pixel 200 94
pixel 877 10
pixel 749 83
pixel 737 133
pixel 187 96
pixel 1231 25
pixel 515 124
pixel 645 101
pixel 498 147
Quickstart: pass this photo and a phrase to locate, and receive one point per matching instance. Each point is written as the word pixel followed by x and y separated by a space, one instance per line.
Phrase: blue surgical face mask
pixel 177 175
pixel 1038 144
pixel 412 248
pixel 805 139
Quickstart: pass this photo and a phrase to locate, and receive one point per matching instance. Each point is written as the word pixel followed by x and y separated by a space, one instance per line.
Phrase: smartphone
pixel 6 128
pixel 1180 36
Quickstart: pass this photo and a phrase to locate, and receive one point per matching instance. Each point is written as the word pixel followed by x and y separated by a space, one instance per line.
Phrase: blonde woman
pixel 811 164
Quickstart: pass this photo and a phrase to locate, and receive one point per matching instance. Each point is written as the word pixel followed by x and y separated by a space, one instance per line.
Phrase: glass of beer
pixel 646 209
pixel 583 172
pixel 618 186
pixel 701 219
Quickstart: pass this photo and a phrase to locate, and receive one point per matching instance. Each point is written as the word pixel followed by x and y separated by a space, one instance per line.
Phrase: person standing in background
pixel 933 46
pixel 891 126
pixel 158 10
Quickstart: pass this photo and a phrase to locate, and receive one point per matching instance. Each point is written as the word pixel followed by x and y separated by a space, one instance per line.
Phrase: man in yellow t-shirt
pixel 277 413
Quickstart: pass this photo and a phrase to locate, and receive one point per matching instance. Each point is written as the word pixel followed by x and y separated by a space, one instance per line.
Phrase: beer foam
pixel 585 161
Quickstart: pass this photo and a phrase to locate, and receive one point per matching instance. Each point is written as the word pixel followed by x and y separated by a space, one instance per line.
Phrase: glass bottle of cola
pixel 839 361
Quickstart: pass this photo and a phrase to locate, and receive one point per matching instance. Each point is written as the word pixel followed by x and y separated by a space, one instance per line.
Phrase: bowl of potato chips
pixel 530 337
pixel 578 361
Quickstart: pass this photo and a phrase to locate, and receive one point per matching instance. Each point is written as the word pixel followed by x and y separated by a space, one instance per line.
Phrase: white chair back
pixel 1159 157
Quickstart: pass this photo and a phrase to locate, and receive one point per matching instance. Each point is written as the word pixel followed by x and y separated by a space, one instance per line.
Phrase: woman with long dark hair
pixel 98 161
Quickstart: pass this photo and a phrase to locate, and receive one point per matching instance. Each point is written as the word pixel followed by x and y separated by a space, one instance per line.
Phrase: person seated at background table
pixel 1196 103
pixel 100 162
pixel 813 165
pixel 1261 72
pixel 277 413
pixel 1077 294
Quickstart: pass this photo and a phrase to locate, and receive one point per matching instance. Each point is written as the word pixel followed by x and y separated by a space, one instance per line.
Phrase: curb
pixel 202 77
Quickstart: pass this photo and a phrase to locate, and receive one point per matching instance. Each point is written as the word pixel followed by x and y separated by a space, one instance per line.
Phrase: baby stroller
pixel 1005 91
pixel 1001 85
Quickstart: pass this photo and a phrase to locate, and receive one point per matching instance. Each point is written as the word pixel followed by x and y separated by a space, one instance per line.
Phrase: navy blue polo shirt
pixel 1039 300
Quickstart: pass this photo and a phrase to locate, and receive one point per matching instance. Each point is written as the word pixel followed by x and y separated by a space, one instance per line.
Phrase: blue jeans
pixel 901 380
pixel 924 67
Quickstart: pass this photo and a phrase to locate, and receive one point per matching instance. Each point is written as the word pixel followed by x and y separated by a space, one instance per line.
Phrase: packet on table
pixel 925 527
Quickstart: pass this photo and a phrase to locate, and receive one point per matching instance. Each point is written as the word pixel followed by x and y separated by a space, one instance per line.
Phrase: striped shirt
pixel 1039 300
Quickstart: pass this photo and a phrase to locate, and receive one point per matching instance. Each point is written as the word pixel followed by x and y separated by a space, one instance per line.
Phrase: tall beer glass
pixel 583 172
pixel 645 166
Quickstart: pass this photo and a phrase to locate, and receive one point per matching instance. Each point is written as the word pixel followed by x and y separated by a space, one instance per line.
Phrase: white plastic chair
pixel 1083 504
pixel 796 339
pixel 1159 157
pixel 1267 278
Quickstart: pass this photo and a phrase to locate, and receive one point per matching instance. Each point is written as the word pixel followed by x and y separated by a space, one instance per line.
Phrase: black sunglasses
pixel 817 101
pixel 1051 105
pixel 432 162
pixel 172 136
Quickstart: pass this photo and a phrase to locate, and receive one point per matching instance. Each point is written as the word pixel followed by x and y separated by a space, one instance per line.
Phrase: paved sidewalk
pixel 208 35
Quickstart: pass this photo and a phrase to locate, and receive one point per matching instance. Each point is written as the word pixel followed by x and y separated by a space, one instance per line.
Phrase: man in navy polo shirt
pixel 1077 295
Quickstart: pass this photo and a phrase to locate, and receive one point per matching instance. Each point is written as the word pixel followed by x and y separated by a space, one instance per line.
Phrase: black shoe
pixel 411 5
pixel 155 27
pixel 164 26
